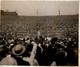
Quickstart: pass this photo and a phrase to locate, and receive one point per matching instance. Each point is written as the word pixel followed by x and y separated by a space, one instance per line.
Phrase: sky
pixel 41 8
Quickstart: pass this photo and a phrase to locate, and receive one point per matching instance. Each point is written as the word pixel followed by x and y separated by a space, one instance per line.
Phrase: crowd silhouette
pixel 39 51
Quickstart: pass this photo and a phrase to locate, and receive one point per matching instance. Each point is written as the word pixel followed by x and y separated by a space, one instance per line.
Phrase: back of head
pixel 8 61
pixel 53 40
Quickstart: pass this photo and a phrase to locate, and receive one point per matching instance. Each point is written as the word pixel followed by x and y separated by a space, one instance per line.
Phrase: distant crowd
pixel 39 51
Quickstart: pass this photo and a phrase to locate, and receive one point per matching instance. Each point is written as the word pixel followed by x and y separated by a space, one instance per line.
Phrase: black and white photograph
pixel 39 33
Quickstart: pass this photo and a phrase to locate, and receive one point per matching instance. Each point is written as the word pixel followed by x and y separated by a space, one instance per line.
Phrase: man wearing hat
pixel 18 52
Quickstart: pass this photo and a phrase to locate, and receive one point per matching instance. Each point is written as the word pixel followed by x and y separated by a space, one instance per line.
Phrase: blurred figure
pixel 17 53
pixel 8 60
pixel 3 48
pixel 25 55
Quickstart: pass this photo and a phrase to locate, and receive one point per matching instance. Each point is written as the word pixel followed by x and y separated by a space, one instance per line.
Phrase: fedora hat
pixel 18 49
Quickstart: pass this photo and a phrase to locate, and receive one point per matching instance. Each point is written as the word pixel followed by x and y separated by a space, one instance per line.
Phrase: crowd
pixel 39 51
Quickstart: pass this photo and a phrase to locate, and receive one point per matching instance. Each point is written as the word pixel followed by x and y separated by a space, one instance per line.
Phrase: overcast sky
pixel 41 8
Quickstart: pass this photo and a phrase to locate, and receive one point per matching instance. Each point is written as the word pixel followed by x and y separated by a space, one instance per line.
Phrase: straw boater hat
pixel 18 49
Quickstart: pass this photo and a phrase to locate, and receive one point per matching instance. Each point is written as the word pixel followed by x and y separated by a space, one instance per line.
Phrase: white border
pixel 39 0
